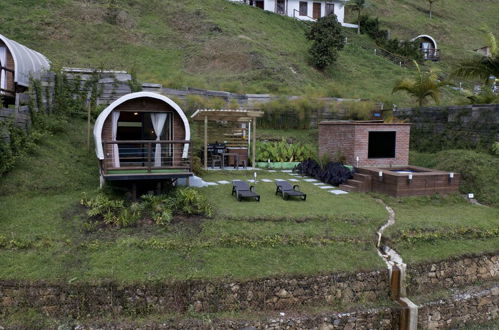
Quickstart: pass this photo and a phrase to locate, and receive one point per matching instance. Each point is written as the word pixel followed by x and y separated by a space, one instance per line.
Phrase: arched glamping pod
pixel 428 47
pixel 17 65
pixel 143 136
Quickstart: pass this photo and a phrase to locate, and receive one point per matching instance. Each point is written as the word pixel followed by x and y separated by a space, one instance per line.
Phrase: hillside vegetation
pixel 216 44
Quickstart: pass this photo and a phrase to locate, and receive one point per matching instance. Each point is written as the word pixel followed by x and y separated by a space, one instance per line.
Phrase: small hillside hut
pixel 18 64
pixel 428 47
pixel 143 136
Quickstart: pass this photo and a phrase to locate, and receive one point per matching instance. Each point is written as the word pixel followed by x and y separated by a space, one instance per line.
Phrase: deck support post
pixel 205 142
pixel 253 147
pixel 134 191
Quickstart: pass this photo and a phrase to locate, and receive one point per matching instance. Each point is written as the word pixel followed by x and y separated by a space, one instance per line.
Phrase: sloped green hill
pixel 457 25
pixel 217 44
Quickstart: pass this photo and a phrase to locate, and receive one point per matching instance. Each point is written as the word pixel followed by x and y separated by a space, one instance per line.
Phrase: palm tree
pixel 481 67
pixel 424 84
pixel 358 6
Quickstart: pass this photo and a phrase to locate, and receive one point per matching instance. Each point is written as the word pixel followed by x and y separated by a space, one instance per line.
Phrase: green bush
pixel 283 152
pixel 189 201
pixel 371 27
pixel 328 39
pixel 494 149
pixel 479 171
pixel 159 208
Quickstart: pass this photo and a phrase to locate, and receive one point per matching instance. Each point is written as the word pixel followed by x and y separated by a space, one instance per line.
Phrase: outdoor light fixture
pixel 409 178
pixel 135 113
pixel 380 174
pixel 451 176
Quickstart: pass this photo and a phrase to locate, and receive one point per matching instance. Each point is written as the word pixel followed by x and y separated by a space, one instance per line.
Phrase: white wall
pixel 292 5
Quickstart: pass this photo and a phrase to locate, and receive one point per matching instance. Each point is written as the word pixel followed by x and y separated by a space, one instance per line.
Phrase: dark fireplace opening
pixel 381 145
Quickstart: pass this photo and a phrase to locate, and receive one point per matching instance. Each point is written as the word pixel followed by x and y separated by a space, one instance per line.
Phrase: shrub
pixel 494 149
pixel 371 27
pixel 328 39
pixel 159 208
pixel 189 201
pixel 283 152
pixel 332 173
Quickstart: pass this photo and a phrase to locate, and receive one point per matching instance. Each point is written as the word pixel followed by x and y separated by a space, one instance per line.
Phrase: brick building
pixel 366 143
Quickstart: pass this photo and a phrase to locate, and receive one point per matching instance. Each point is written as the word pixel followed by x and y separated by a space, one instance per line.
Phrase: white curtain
pixel 158 122
pixel 3 62
pixel 116 150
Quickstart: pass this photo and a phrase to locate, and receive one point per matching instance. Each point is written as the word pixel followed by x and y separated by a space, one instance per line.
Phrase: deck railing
pixel 145 155
pixel 430 54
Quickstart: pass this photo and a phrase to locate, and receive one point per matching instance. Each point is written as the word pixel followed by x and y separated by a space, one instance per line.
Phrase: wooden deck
pixel 137 160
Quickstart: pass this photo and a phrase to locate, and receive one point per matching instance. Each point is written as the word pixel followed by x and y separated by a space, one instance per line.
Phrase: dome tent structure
pixel 142 136
pixel 18 64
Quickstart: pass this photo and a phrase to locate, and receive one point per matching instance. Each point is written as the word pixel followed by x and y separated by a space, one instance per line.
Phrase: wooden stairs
pixel 359 183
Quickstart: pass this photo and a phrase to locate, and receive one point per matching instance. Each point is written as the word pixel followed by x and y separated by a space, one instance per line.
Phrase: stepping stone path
pixel 338 192
pixel 315 182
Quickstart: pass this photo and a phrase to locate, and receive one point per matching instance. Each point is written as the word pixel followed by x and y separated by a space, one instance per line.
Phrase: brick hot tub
pixel 401 181
pixel 374 148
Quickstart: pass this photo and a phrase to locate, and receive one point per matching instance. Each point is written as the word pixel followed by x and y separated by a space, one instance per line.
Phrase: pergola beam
pixel 249 116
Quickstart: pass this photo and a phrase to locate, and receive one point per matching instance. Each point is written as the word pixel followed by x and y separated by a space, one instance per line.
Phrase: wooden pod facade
pixel 143 136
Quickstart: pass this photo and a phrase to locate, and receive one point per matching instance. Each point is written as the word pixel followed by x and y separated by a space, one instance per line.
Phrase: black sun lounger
pixel 242 190
pixel 287 190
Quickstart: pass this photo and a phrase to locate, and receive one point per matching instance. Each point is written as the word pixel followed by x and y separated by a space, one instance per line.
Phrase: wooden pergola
pixel 240 115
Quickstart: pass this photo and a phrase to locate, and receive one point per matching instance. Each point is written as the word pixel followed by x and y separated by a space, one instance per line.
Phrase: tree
pixel 483 66
pixel 358 6
pixel 430 2
pixel 423 85
pixel 328 39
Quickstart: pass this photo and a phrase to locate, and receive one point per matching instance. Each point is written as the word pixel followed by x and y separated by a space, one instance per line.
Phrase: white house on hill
pixel 303 10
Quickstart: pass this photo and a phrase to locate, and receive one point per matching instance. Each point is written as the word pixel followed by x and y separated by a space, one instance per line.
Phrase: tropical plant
pixel 328 39
pixel 486 96
pixel 495 148
pixel 481 67
pixel 283 152
pixel 425 84
pixel 358 6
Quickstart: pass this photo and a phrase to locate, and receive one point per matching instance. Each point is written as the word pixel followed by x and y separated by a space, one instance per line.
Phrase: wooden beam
pixel 205 142
pixel 253 156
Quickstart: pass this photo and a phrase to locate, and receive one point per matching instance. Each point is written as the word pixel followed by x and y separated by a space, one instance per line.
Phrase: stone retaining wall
pixel 199 296
pixel 451 273
pixel 379 318
pixel 466 126
pixel 459 310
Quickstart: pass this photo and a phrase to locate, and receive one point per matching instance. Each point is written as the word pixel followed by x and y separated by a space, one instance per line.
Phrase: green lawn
pixel 43 236
pixel 435 228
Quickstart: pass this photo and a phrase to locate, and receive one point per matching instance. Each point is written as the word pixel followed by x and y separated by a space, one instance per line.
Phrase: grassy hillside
pixel 217 44
pixel 457 25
